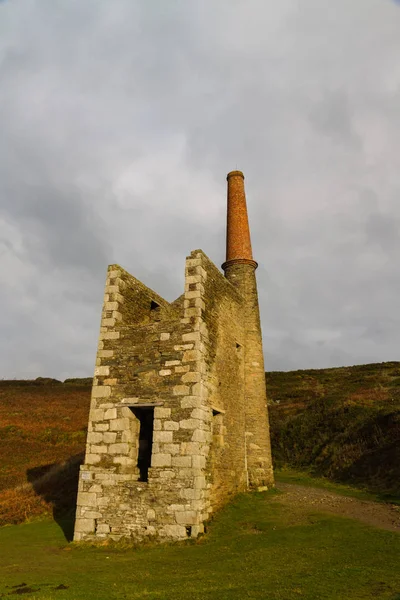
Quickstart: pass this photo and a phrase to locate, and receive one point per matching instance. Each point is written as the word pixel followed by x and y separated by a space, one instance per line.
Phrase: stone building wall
pixel 258 446
pixel 183 366
pixel 224 363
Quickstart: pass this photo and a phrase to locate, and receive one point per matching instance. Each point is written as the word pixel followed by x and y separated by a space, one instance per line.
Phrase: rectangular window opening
pixel 145 441
pixel 217 427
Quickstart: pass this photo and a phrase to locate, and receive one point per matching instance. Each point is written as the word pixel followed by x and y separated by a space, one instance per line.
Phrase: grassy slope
pixel 255 548
pixel 340 423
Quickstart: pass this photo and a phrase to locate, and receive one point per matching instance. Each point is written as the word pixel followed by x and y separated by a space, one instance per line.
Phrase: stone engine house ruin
pixel 178 422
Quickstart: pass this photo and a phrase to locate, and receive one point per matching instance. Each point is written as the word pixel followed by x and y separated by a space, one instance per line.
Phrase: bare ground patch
pixel 302 499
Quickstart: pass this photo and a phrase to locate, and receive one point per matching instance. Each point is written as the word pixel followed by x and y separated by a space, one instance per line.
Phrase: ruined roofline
pixel 229 287
pixel 156 297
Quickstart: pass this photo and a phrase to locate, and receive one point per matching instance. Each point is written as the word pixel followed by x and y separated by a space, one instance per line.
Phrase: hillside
pixel 341 423
pixel 43 426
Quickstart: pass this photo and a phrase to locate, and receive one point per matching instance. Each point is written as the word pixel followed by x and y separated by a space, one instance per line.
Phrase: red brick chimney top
pixel 238 244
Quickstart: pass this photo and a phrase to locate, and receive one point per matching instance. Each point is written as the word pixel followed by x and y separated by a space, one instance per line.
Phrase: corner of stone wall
pixel 193 395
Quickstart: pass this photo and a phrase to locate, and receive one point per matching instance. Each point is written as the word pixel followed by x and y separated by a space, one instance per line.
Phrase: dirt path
pixel 384 516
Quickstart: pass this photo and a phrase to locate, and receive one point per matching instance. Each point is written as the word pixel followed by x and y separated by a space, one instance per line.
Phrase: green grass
pixel 255 548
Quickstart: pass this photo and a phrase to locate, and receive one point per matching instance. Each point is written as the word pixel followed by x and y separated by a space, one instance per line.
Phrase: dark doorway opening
pixel 146 419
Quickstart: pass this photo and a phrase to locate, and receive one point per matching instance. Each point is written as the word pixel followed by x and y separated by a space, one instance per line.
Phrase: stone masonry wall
pixel 258 447
pixel 186 361
pixel 147 354
pixel 224 362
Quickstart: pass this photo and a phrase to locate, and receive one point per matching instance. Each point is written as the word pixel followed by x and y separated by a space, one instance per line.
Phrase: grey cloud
pixel 119 122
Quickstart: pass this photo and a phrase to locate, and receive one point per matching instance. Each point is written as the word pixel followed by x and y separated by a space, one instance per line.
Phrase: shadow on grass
pixel 57 484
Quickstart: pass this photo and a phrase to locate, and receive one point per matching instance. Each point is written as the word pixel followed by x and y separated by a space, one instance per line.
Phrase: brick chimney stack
pixel 238 243
pixel 239 269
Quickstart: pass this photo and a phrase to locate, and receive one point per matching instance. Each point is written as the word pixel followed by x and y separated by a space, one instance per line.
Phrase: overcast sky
pixel 118 123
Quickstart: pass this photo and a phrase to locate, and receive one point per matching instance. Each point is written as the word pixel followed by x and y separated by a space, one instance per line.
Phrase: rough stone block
pixel 171 425
pixel 191 402
pixel 105 353
pixel 191 494
pixel 199 462
pixel 157 424
pixel 103 528
pixel 102 371
pixel 183 346
pixel 161 460
pixel 111 413
pixel 190 448
pixel 181 390
pixel 119 424
pixel 162 413
pixel 193 294
pixel 189 312
pixel 101 426
pixel 91 514
pixel 197 530
pixel 109 437
pixel 192 279
pixel 182 461
pixel 202 414
pixel 171 448
pixel 190 424
pixel 94 438
pixel 96 414
pixel 118 449
pixel 174 531
pixel 201 436
pixel 95 489
pixel 199 303
pixel 200 389
pixel 110 335
pixel 187 517
pixel 172 363
pixel 164 372
pixel 167 474
pixel 191 355
pixel 200 482
pixel 191 377
pixel 84 525
pixel 127 436
pixel 124 460
pixel 165 336
pixel 92 459
pixel 151 514
pixel 86 499
pixel 193 336
pixel 182 369
pixel 101 391
pixel 193 262
pixel 162 436
pixel 111 306
pixel 176 508
pixel 98 449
